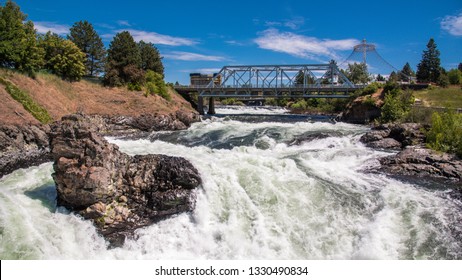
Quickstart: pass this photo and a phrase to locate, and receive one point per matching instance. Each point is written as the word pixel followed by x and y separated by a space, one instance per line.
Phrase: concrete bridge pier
pixel 211 106
pixel 200 105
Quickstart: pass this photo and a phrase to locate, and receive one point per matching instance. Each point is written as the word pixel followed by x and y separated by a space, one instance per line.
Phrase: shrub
pixel 155 84
pixel 370 89
pixel 445 133
pixel 397 103
pixel 299 105
pixel 134 87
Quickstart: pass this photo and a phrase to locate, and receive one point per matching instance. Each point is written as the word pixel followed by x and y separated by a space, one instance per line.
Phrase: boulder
pixel 422 162
pixel 389 135
pixel 23 146
pixel 118 192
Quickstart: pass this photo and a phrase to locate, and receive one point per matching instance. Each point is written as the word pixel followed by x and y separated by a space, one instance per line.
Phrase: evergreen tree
pixel 406 73
pixel 393 77
pixel 428 70
pixel 123 57
pixel 300 79
pixel 63 57
pixel 380 78
pixel 18 43
pixel 89 42
pixel 150 58
pixel 460 67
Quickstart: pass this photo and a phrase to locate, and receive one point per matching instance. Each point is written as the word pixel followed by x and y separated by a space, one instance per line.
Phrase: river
pixel 287 187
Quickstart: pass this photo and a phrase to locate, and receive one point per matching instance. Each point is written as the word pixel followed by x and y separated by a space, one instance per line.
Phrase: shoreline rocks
pixel 22 146
pixel 118 192
pixel 413 159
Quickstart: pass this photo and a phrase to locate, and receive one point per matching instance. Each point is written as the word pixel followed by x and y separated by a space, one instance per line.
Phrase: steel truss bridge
pixel 273 81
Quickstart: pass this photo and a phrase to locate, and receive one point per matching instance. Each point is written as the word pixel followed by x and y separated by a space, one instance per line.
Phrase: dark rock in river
pixel 23 146
pixel 423 162
pixel 118 192
pixel 394 136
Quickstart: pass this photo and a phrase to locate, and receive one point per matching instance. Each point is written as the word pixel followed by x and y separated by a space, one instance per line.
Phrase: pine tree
pixel 150 58
pixel 406 73
pixel 123 57
pixel 429 70
pixel 460 67
pixel 393 77
pixel 89 42
pixel 380 78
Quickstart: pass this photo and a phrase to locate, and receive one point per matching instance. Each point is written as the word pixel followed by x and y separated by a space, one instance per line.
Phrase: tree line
pixel 81 53
pixel 429 70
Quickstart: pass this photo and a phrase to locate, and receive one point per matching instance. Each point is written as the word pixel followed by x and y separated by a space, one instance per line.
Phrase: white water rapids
pixel 266 194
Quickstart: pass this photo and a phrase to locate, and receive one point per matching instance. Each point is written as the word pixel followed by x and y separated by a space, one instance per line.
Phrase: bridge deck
pixel 296 92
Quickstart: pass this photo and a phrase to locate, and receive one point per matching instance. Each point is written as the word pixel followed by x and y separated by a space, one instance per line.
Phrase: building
pixel 198 79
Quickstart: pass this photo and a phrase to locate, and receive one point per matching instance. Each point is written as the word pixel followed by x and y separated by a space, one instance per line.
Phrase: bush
pixel 396 104
pixel 232 101
pixel 445 133
pixel 155 85
pixel 134 87
pixel 370 89
pixel 299 105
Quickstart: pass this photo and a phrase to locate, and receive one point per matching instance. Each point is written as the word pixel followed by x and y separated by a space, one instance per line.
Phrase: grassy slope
pixel 60 98
pixel 450 97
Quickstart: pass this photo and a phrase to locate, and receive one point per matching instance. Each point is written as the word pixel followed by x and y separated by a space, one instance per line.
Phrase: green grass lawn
pixel 450 97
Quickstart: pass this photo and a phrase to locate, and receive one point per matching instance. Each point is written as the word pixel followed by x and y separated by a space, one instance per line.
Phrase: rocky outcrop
pixel 118 192
pixel 415 161
pixel 363 110
pixel 394 136
pixel 123 125
pixel 23 146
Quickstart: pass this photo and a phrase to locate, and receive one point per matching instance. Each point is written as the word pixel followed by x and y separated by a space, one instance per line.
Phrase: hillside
pixel 61 98
pixel 450 97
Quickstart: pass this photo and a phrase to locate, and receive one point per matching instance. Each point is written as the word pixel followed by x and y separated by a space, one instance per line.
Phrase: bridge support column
pixel 211 106
pixel 200 105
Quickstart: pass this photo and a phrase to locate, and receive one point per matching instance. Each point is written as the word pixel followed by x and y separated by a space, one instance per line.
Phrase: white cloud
pixel 293 23
pixel 234 43
pixel 303 46
pixel 44 27
pixel 159 39
pixel 123 23
pixel 187 56
pixel 452 24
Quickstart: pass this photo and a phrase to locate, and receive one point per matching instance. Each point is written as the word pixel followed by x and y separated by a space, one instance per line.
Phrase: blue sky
pixel 203 36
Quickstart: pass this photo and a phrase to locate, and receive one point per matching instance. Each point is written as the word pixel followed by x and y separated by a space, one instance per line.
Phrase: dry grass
pixel 61 98
pixel 450 97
